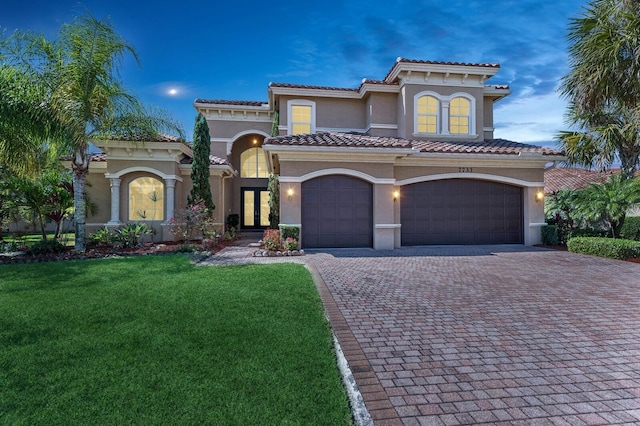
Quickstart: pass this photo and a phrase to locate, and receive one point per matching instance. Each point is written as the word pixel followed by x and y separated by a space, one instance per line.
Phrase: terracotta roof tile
pixel 308 86
pixel 489 146
pixel 213 160
pixel 340 140
pixel 559 178
pixel 162 137
pixel 418 61
pixel 230 102
pixel 493 146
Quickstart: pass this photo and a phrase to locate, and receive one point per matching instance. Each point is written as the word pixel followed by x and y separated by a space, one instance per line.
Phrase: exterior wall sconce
pixel 290 193
pixel 539 196
pixel 396 195
pixel 255 141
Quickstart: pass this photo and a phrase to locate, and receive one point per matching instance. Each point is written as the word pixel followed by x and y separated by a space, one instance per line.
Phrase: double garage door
pixel 337 211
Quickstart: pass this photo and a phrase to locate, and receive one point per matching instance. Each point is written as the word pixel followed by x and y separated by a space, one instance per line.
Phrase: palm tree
pixel 74 96
pixel 609 201
pixel 603 88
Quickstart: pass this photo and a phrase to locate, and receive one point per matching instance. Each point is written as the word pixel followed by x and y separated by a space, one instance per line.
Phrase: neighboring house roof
pixel 336 139
pixel 213 160
pixel 558 178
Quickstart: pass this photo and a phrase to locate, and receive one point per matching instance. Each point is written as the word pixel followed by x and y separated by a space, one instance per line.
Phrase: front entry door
pixel 255 208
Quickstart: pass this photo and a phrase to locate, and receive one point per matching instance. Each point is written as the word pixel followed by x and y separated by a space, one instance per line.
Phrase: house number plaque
pixel 465 170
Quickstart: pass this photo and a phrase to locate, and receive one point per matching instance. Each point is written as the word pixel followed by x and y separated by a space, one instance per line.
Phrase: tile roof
pixel 162 137
pixel 230 102
pixel 213 160
pixel 559 178
pixel 401 60
pixel 489 146
pixel 308 86
pixel 336 139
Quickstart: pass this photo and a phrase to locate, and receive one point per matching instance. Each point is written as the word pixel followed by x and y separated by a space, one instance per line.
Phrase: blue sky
pixel 232 50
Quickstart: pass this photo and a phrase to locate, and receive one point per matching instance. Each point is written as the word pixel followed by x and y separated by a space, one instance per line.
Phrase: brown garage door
pixel 337 211
pixel 461 211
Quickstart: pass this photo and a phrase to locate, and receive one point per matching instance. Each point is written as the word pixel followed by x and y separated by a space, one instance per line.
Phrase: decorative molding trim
pixel 388 225
pixel 477 176
pixel 141 169
pixel 337 171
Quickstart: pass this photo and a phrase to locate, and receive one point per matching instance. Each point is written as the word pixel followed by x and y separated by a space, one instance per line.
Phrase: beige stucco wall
pixel 524 174
pixel 488 117
pixel 301 168
pixel 331 113
pixel 382 108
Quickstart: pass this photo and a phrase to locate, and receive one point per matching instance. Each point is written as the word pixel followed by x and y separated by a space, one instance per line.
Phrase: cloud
pixel 530 119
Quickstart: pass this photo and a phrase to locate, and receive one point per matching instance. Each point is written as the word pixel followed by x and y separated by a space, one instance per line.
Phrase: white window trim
pixel 297 102
pixel 443 114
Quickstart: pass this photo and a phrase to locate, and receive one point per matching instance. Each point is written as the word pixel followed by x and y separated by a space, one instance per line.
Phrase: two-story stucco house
pixel 406 160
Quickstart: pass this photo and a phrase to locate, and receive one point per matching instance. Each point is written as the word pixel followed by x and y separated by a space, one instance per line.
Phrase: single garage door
pixel 461 211
pixel 337 211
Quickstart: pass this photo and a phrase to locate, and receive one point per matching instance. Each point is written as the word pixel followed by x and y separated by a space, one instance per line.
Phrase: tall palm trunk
pixel 80 169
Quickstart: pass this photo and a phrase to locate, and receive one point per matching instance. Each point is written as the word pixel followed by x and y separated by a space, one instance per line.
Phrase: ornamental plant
pixel 192 222
pixel 271 239
pixel 290 244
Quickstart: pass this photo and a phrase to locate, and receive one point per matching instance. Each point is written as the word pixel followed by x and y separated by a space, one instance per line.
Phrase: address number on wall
pixel 465 170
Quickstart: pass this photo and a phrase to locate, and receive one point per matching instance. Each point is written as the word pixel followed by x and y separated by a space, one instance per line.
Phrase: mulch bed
pixel 97 252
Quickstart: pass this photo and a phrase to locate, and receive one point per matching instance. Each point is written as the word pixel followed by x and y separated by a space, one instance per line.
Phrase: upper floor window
pixel 253 164
pixel 146 199
pixel 459 116
pixel 302 117
pixel 428 114
pixel 444 115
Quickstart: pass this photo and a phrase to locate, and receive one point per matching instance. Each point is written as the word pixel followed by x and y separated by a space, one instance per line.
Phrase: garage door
pixel 337 211
pixel 461 211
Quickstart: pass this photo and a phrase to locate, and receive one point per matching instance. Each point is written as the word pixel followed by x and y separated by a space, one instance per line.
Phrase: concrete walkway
pixel 485 334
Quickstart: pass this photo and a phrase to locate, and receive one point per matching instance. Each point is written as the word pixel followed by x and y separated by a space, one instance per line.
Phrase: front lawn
pixel 156 340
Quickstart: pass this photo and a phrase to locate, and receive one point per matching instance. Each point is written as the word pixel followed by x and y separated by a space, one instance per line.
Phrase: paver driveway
pixel 468 335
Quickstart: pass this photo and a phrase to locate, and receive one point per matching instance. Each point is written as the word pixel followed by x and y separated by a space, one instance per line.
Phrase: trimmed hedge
pixel 631 228
pixel 605 247
pixel 549 235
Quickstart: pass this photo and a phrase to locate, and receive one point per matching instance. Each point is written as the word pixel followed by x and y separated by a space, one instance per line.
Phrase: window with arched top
pixel 253 164
pixel 459 116
pixel 146 199
pixel 427 115
pixel 436 114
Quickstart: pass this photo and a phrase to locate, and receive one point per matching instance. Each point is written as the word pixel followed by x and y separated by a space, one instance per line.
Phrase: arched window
pixel 427 115
pixel 459 116
pixel 146 199
pixel 253 164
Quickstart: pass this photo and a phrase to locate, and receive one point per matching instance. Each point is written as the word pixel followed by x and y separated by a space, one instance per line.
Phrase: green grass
pixel 156 340
pixel 68 239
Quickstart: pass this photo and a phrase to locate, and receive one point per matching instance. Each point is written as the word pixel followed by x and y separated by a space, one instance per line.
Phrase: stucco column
pixel 115 201
pixel 171 197
pixel 445 118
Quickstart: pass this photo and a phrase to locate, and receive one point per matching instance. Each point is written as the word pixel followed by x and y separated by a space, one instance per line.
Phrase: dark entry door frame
pixel 255 208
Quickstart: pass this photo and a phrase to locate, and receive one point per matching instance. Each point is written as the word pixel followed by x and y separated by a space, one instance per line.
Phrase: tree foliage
pixel 201 190
pixel 602 86
pixel 609 201
pixel 65 92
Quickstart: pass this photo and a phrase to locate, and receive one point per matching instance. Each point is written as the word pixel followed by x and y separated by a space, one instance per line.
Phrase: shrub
pixel 191 222
pixel 46 247
pixel 130 235
pixel 271 239
pixel 605 247
pixel 102 237
pixel 290 231
pixel 290 244
pixel 631 228
pixel 584 232
pixel 8 247
pixel 233 220
pixel 549 235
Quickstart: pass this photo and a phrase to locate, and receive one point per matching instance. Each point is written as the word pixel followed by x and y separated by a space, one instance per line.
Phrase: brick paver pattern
pixel 498 334
pixel 454 335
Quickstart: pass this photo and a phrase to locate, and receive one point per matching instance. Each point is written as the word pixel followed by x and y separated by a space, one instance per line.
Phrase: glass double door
pixel 255 208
